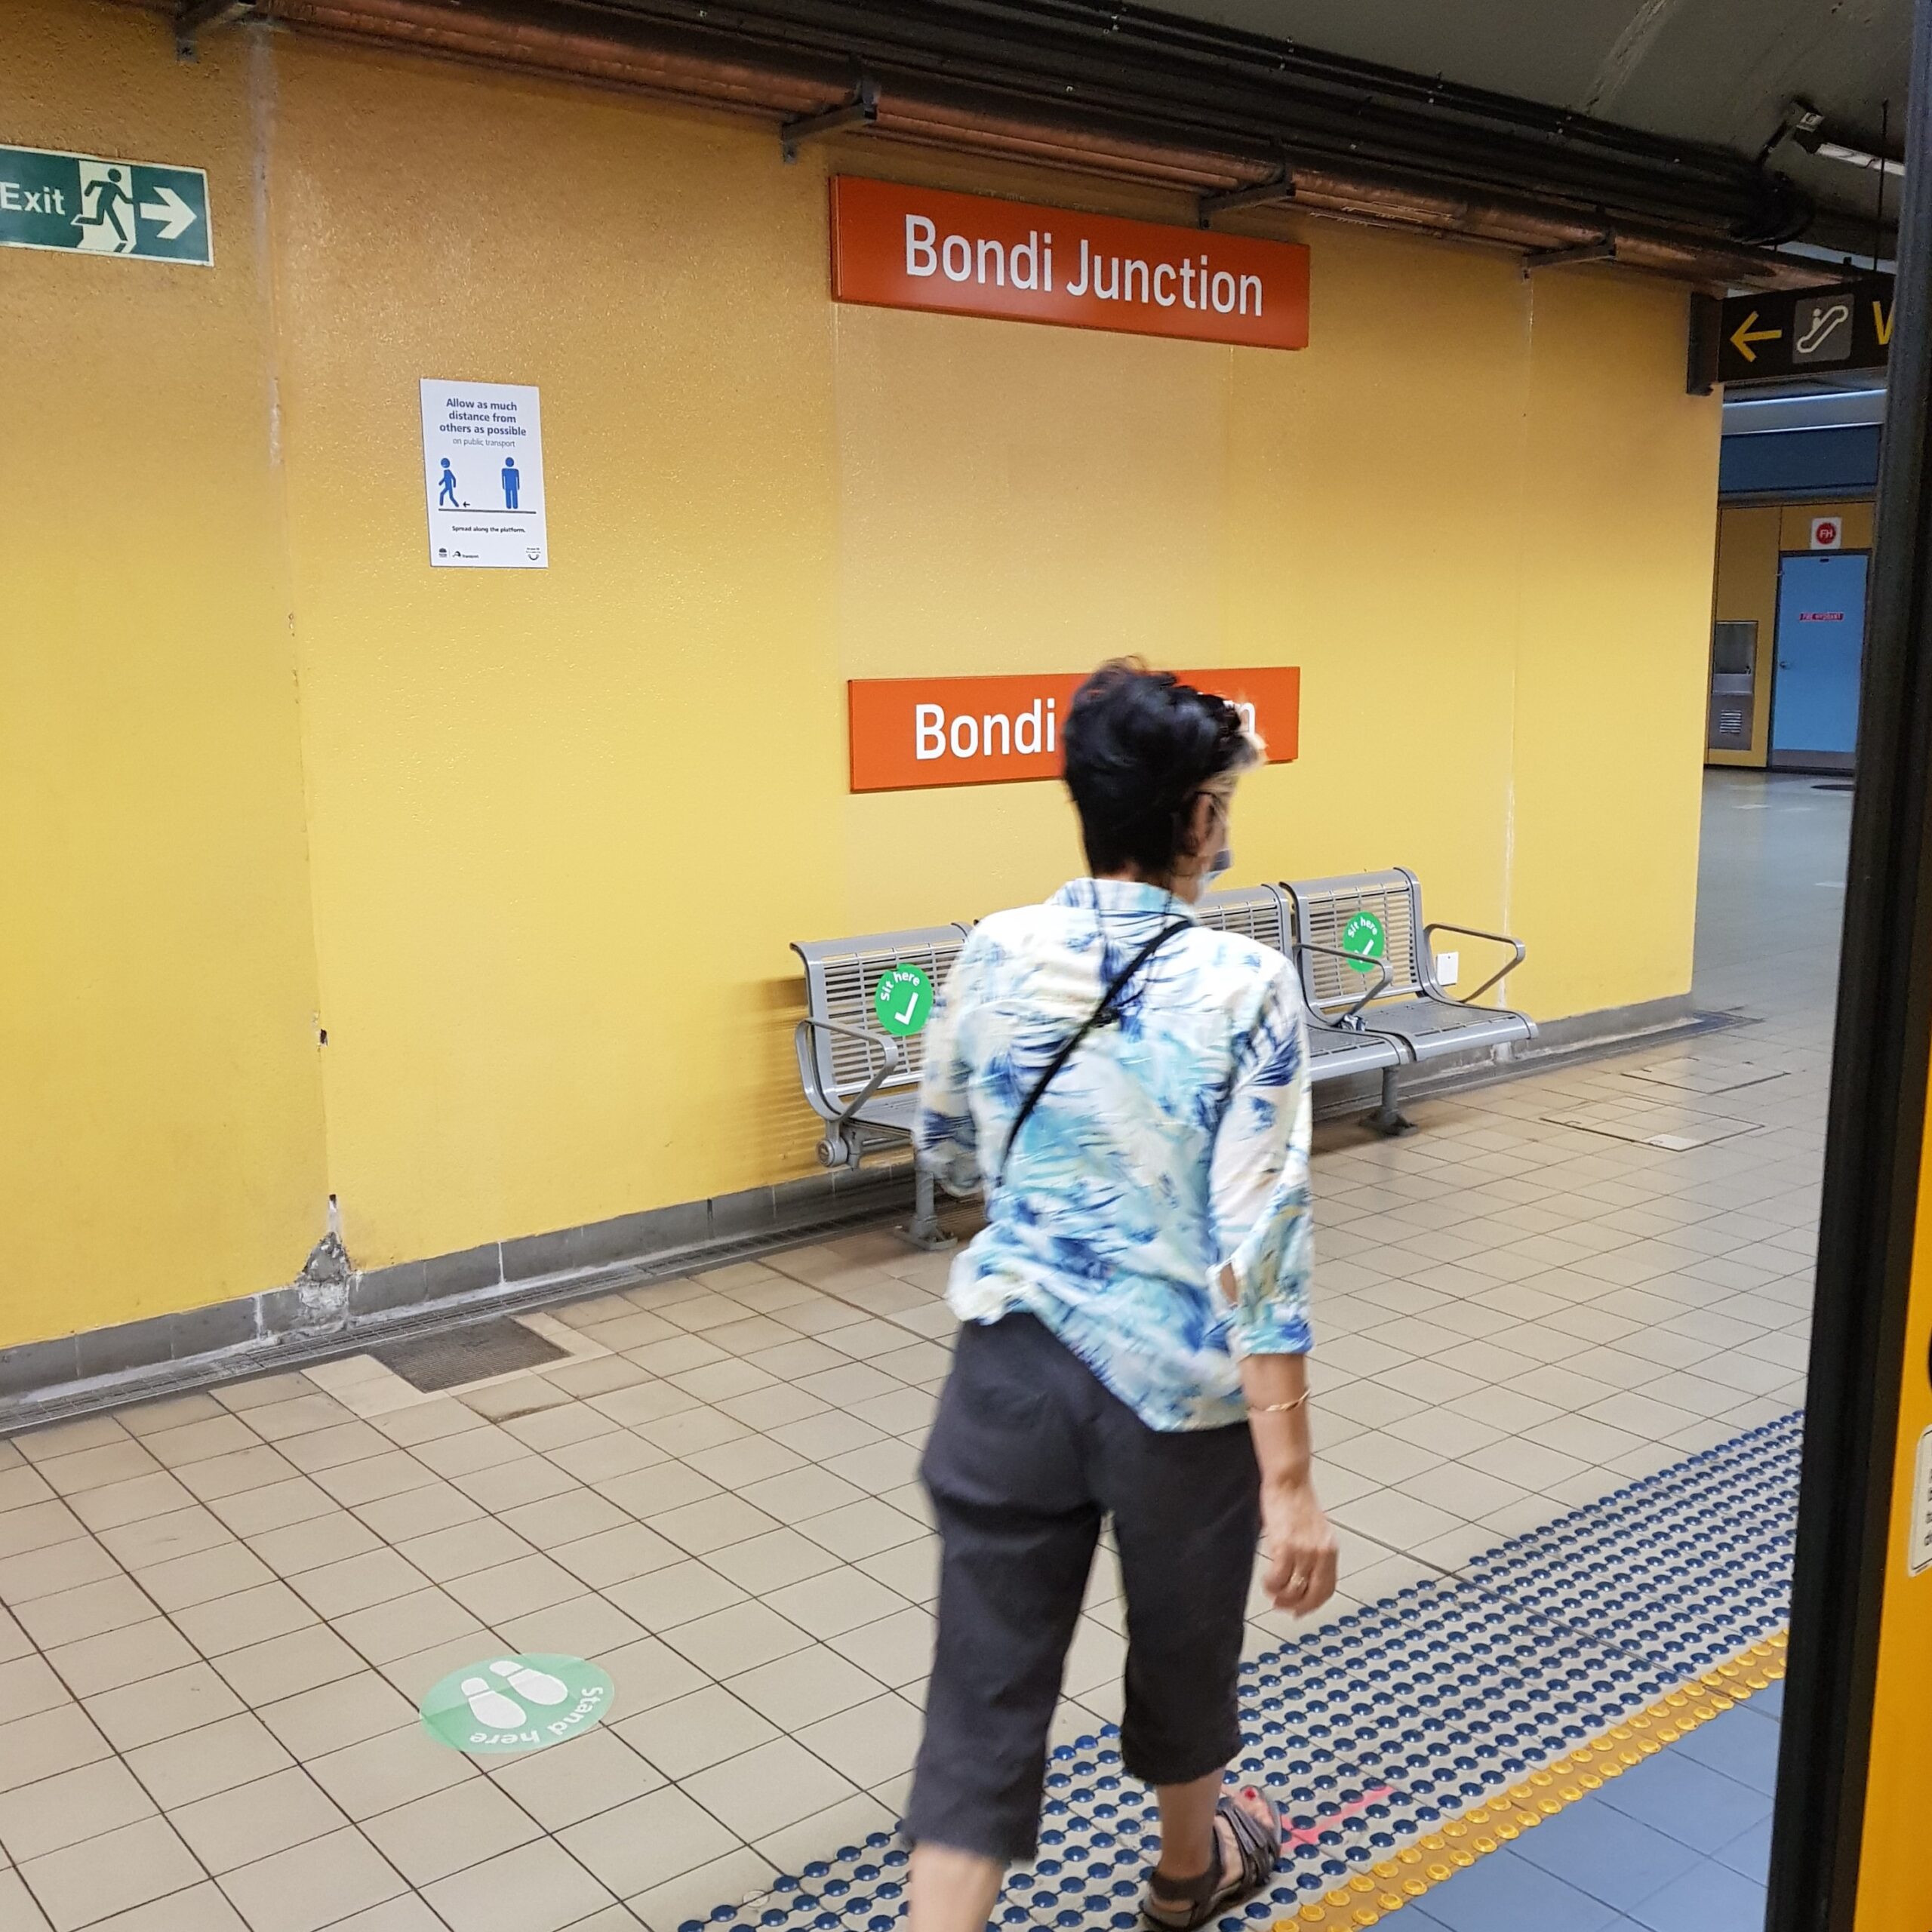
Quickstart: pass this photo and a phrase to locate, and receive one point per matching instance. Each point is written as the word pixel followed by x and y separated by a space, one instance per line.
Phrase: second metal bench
pixel 1340 922
pixel 1336 1048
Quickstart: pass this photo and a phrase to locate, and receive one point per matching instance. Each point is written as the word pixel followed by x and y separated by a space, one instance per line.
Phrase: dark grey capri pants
pixel 1028 1453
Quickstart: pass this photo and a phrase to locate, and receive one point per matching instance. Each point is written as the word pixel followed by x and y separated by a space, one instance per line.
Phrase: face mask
pixel 1221 863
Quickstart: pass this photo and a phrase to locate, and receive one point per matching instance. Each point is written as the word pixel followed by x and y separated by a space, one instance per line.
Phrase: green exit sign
pixel 89 205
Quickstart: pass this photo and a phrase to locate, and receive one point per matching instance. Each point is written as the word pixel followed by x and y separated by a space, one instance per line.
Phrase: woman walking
pixel 1130 1089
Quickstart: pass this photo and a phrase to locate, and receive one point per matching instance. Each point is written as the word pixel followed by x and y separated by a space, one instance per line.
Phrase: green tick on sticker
pixel 902 1000
pixel 521 1704
pixel 1366 936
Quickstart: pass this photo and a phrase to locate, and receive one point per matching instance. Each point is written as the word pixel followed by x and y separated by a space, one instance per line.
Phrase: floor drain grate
pixel 472 1353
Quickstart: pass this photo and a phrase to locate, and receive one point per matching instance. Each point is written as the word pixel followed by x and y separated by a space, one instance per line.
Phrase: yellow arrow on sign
pixel 1746 336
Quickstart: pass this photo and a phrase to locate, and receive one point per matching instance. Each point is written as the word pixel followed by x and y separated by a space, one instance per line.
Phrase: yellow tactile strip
pixel 1371 1896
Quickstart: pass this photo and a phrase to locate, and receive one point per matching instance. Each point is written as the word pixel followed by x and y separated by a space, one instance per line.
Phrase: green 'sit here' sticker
pixel 902 1000
pixel 1366 935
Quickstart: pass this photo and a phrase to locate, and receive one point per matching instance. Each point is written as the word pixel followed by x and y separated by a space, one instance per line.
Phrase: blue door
pixel 1820 638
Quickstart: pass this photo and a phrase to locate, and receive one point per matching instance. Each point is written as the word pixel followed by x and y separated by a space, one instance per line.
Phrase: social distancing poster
pixel 483 474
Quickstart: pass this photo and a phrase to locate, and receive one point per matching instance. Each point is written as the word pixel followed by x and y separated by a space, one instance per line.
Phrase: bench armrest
pixel 1355 959
pixel 1517 949
pixel 894 1058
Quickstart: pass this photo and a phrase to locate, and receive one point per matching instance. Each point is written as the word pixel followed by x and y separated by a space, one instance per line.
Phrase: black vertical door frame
pixel 1872 1160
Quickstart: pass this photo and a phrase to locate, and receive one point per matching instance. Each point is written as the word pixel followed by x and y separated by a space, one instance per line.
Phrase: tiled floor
pixel 219 1611
pixel 1679 1844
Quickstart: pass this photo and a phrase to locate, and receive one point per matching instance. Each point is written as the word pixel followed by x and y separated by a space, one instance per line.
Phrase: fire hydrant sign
pixel 483 473
pixel 88 205
pixel 894 247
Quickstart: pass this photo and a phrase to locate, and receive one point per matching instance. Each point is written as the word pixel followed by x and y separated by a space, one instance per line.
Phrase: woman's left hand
pixel 1302 1549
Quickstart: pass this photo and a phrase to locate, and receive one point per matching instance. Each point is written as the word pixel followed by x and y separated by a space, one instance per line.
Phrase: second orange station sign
pixel 894 247
pixel 910 733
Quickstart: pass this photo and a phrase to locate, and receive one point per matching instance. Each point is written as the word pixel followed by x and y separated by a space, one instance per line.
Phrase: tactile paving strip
pixel 1685 1570
pixel 1415 1720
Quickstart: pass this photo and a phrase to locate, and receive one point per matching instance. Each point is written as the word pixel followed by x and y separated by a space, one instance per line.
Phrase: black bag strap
pixel 1105 1014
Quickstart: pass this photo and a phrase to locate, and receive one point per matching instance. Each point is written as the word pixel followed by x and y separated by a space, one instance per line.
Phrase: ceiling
pixel 1636 132
pixel 1714 71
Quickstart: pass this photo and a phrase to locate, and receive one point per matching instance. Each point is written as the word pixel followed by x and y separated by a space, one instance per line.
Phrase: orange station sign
pixel 894 247
pixel 910 733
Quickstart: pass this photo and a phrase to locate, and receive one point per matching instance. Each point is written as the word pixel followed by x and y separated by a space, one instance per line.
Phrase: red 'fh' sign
pixel 894 247
pixel 908 734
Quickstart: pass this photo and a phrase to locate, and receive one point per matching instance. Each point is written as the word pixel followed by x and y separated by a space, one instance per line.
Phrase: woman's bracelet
pixel 1283 1408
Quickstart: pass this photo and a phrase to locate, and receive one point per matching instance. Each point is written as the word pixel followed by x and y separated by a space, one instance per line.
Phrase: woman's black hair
pixel 1140 745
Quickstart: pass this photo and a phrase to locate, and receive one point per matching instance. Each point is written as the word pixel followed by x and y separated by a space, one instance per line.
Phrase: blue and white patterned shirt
pixel 1170 1145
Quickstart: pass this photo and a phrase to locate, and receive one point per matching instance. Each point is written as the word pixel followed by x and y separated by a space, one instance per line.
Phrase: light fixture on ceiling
pixel 1803 124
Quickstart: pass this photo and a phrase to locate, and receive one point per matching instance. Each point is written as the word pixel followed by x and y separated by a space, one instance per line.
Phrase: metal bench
pixel 863 1083
pixel 1365 1014
pixel 1407 1005
pixel 1336 1048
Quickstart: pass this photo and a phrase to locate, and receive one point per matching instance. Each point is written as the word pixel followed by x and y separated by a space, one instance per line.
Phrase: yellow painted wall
pixel 161 1140
pixel 562 825
pixel 1620 480
pixel 563 822
pixel 1751 537
pixel 1015 498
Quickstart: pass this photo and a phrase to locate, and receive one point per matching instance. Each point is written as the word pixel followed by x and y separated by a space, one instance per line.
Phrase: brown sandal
pixel 1258 1849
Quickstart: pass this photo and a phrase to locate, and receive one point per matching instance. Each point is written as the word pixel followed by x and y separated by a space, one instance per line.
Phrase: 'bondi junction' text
pixel 895 246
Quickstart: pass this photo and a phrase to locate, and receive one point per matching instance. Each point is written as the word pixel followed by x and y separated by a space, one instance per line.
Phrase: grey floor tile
pixel 1505 1893
pixel 383 1773
pixel 770 1787
pixel 1741 1744
pixel 113 1872
pixel 55 1812
pixel 1712 1898
pixel 599 1772
pixel 738 1876
pixel 314 1884
pixel 1608 1854
pixel 648 1841
pixel 808 1684
pixel 448 1831
pixel 1688 1800
pixel 687 1734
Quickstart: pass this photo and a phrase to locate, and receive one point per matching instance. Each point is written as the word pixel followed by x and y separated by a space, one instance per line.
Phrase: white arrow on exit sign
pixel 171 210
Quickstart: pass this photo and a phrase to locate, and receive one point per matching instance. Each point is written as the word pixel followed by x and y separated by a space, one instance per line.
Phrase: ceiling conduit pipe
pixel 1453 183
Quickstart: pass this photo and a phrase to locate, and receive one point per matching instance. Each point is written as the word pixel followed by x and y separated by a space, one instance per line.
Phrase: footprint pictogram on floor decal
pixel 527 1681
pixel 502 1704
pixel 488 1704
